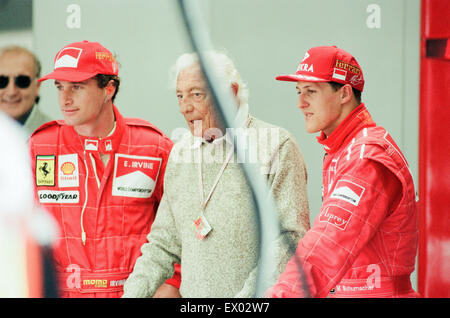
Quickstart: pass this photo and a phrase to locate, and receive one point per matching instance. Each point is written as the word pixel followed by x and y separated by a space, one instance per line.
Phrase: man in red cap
pixel 363 243
pixel 98 173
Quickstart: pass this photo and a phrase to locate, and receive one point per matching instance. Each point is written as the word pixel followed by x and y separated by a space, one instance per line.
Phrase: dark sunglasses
pixel 21 81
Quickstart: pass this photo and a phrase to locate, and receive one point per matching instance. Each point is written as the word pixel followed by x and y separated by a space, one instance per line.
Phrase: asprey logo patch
pixel 45 171
pixel 336 216
pixel 135 176
pixel 50 196
pixel 68 171
pixel 68 57
pixel 348 191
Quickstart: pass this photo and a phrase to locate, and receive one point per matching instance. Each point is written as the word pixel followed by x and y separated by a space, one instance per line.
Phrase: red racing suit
pixel 104 212
pixel 364 241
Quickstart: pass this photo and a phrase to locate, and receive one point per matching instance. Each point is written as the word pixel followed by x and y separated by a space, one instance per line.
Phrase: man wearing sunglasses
pixel 19 88
pixel 100 174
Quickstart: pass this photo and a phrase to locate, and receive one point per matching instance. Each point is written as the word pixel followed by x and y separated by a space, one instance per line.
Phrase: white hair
pixel 223 66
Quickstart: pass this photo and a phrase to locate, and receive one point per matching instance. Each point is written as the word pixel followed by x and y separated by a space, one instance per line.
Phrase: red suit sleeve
pixel 340 231
pixel 176 278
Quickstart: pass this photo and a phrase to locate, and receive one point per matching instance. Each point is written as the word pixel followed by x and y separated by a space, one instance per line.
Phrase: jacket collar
pixel 108 144
pixel 358 119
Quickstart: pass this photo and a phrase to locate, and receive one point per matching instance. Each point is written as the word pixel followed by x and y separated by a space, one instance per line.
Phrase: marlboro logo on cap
pixel 68 57
pixel 80 61
pixel 328 64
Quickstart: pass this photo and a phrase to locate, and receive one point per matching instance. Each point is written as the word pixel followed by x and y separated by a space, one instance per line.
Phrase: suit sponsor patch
pixel 339 74
pixel 348 191
pixel 135 176
pixel 68 57
pixel 51 196
pixel 336 216
pixel 45 171
pixel 68 171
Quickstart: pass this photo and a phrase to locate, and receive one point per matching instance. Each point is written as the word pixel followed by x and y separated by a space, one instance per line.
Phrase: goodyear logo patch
pixel 45 171
pixel 50 196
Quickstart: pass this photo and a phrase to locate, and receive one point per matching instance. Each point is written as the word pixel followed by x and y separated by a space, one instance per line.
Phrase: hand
pixel 167 291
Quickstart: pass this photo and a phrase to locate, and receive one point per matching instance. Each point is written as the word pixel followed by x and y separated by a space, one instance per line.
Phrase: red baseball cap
pixel 328 64
pixel 80 61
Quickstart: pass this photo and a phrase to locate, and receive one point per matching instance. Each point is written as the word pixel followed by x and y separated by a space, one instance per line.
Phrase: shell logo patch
pixel 67 168
pixel 68 171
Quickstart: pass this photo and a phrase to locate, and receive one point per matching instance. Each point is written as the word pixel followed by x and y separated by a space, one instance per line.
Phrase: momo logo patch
pixel 348 191
pixel 45 171
pixel 135 176
pixel 336 216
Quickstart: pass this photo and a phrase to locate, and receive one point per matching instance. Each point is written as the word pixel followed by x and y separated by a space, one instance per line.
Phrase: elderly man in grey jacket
pixel 206 219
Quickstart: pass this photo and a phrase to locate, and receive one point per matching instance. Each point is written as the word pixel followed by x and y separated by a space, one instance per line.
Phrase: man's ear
pixel 38 87
pixel 346 93
pixel 110 89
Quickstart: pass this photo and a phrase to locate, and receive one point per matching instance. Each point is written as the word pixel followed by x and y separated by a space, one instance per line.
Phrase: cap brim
pixel 68 75
pixel 298 77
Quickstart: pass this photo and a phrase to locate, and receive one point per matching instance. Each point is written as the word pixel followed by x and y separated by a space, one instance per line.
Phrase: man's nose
pixel 186 106
pixel 66 97
pixel 302 103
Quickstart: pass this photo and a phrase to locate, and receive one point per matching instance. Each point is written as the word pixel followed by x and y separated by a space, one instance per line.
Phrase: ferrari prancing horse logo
pixel 45 171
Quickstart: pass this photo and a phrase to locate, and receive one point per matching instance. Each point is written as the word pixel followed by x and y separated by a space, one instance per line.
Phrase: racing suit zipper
pixel 83 233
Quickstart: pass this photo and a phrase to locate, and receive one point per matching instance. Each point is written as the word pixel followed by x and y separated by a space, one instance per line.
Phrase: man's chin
pixel 12 110
pixel 69 122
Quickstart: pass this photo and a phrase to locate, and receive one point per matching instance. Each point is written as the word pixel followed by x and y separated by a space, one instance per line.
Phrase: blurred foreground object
pixel 26 231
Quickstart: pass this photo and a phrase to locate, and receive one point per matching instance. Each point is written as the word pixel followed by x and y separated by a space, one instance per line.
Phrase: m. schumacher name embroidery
pixel 348 191
pixel 336 216
pixel 135 176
